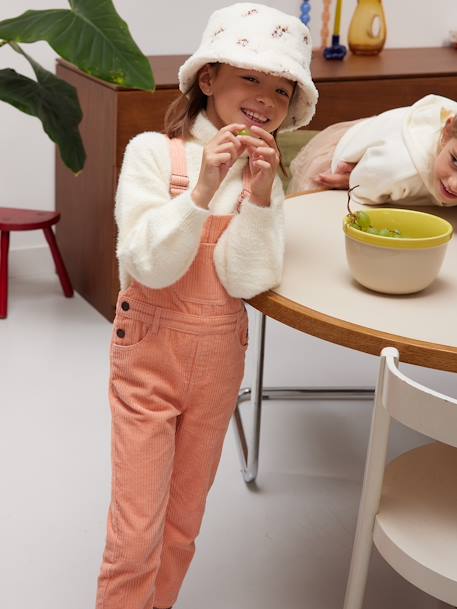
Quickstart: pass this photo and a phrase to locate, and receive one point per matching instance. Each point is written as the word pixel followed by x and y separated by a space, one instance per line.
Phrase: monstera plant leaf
pixel 54 102
pixel 92 36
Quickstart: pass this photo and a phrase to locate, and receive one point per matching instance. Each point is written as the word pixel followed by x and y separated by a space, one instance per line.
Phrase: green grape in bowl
pixel 360 220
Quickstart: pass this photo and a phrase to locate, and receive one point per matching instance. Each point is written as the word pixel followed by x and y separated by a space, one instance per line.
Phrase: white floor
pixel 284 544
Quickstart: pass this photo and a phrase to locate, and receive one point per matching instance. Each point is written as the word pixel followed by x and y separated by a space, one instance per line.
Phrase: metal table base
pixel 249 451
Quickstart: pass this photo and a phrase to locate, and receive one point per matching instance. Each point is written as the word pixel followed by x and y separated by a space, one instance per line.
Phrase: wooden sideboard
pixel 353 88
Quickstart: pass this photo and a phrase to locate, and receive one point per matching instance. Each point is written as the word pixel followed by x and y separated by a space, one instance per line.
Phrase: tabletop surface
pixel 317 285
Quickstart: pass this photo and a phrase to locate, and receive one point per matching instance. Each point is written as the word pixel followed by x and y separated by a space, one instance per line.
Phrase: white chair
pixel 409 508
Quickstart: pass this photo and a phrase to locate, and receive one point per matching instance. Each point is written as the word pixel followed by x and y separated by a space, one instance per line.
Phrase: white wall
pixel 410 23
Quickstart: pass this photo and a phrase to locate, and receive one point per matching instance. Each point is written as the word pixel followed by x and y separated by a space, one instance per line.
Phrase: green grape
pixel 363 220
pixel 244 132
pixel 360 220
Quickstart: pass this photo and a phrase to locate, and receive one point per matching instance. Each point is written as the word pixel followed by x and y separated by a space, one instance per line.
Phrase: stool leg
pixel 4 247
pixel 58 261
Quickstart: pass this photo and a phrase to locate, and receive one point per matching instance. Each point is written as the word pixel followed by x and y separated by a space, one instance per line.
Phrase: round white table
pixel 318 296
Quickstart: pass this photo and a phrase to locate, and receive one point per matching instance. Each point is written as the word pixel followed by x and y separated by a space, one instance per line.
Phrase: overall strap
pixel 179 180
pixel 246 187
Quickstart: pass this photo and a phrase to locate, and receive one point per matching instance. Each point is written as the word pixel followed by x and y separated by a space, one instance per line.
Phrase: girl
pixel 200 226
pixel 406 155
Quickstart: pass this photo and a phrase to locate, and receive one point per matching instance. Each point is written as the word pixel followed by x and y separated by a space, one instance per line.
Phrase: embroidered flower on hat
pixel 253 11
pixel 216 33
pixel 279 31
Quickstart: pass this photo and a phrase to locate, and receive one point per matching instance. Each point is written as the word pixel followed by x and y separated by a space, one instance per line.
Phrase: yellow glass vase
pixel 368 30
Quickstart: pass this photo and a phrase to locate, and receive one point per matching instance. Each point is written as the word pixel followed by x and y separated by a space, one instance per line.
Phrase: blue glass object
pixel 336 51
pixel 305 10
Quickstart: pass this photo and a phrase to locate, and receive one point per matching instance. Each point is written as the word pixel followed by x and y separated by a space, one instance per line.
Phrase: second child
pixel 406 156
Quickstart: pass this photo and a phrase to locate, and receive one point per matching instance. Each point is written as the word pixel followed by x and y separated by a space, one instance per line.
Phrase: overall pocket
pixel 200 284
pixel 133 324
pixel 129 332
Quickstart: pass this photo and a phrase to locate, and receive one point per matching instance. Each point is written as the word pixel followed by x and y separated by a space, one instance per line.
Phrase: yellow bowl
pixel 397 265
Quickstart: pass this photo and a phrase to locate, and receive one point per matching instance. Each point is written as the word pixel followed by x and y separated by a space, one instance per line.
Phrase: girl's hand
pixel 219 155
pixel 263 161
pixel 338 180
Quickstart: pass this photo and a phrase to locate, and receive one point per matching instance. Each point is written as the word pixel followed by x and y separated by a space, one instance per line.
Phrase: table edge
pixel 348 334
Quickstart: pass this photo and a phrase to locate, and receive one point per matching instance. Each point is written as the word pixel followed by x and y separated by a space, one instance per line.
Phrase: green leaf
pixel 54 102
pixel 18 91
pixel 91 35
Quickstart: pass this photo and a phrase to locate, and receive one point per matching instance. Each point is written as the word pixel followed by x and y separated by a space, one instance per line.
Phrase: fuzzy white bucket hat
pixel 258 37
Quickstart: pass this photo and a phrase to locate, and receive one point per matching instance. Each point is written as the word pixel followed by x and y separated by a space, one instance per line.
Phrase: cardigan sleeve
pixel 384 170
pixel 158 237
pixel 250 253
pixel 386 174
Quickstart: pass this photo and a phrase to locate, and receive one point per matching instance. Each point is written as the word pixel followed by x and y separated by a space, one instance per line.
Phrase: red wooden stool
pixel 28 219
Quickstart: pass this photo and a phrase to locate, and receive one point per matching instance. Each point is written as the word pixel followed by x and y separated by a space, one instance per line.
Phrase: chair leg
pixel 58 261
pixel 370 498
pixel 4 248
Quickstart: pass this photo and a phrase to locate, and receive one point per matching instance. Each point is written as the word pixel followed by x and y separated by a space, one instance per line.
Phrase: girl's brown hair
pixel 182 112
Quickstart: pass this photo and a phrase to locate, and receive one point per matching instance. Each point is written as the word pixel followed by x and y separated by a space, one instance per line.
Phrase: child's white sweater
pixel 158 237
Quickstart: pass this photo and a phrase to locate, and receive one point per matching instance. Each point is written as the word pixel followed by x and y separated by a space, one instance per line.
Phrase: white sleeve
pixel 384 171
pixel 367 133
pixel 249 255
pixel 158 237
pixel 386 174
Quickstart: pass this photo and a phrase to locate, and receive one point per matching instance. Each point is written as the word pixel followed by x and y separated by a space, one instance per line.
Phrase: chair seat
pixel 416 526
pixel 12 219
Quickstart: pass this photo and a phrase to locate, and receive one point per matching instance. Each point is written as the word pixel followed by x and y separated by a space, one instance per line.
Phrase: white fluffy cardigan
pixel 158 237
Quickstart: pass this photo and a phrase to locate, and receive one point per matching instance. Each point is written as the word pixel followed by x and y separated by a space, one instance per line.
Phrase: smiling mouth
pixel 447 192
pixel 255 117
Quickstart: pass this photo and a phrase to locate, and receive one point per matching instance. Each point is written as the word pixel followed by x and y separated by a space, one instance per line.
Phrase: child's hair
pixel 183 111
pixel 449 129
pixel 454 126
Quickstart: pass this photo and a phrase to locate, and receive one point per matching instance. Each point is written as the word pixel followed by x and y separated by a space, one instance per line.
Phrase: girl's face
pixel 445 168
pixel 237 95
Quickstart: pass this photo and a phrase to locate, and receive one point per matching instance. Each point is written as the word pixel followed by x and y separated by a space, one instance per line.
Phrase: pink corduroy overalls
pixel 177 362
